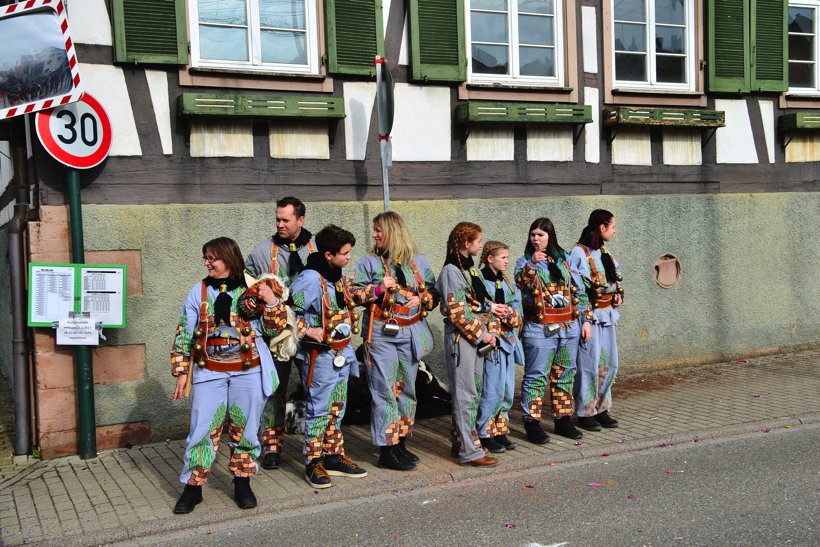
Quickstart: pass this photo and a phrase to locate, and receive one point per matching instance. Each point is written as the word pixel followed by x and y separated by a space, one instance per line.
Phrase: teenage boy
pixel 325 322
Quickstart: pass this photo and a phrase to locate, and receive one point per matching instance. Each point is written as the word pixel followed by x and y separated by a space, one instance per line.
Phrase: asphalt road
pixel 758 489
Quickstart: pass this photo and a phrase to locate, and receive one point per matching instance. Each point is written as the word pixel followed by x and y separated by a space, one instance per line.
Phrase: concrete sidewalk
pixel 129 493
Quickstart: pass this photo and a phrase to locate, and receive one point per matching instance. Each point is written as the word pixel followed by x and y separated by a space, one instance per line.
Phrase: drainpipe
pixel 17 275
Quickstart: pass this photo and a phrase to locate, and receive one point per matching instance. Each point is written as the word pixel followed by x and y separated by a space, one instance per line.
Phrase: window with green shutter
pixel 747 45
pixel 355 35
pixel 149 31
pixel 437 44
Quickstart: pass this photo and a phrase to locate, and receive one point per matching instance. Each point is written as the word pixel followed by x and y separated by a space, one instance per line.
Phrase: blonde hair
pixel 491 248
pixel 399 244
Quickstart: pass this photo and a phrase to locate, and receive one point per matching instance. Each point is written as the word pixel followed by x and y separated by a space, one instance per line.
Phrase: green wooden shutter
pixel 149 31
pixel 437 48
pixel 728 45
pixel 769 45
pixel 355 35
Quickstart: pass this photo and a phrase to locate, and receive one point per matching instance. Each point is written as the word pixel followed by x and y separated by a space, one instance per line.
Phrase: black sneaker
pixel 505 442
pixel 191 496
pixel 341 466
pixel 270 460
pixel 535 434
pixel 564 427
pixel 391 457
pixel 243 494
pixel 316 475
pixel 492 445
pixel 588 423
pixel 606 420
pixel 406 453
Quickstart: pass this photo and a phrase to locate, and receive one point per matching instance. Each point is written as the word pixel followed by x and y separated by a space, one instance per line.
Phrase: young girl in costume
pixel 228 368
pixel 555 317
pixel 499 367
pixel 467 312
pixel 393 282
pixel 598 358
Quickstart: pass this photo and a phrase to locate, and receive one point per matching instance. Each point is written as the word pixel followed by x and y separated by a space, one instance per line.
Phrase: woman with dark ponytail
pixel 468 312
pixel 598 358
pixel 555 316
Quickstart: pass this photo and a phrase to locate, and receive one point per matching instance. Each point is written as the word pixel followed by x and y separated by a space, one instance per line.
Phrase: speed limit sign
pixel 77 134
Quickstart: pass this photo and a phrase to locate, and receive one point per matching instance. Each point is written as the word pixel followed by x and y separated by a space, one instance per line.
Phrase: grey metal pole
pixel 383 142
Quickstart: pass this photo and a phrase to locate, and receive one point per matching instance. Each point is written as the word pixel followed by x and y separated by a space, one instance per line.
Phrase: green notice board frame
pixel 56 289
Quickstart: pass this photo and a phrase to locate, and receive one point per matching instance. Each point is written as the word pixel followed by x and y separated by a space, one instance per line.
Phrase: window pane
pixel 801 48
pixel 489 4
pixel 536 6
pixel 284 47
pixel 226 12
pixel 226 44
pixel 671 70
pixel 535 30
pixel 630 10
pixel 801 20
pixel 490 59
pixel 670 12
pixel 670 40
pixel 801 75
pixel 282 13
pixel 630 67
pixel 630 37
pixel 537 61
pixel 488 27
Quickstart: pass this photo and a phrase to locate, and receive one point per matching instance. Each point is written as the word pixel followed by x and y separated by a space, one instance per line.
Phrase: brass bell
pixel 385 314
pixel 247 364
pixel 424 313
pixel 575 300
pixel 246 347
pixel 198 333
pixel 594 304
pixel 246 331
pixel 355 316
pixel 596 284
pixel 351 305
pixel 536 292
pixel 328 313
pixel 620 290
pixel 574 288
pixel 576 314
pixel 355 330
pixel 619 277
pixel 198 348
pixel 329 339
pixel 391 301
pixel 391 290
pixel 202 363
pixel 426 300
pixel 539 305
pixel 422 288
pixel 540 317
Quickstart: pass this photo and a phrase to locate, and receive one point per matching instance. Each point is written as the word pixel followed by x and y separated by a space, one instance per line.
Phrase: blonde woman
pixel 393 282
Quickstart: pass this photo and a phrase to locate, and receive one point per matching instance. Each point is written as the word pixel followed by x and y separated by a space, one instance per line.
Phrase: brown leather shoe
pixel 486 461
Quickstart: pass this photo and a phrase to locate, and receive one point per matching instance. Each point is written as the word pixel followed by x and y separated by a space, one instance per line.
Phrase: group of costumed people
pixel 290 303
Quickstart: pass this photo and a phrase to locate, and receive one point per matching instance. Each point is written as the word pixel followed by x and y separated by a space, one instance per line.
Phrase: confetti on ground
pixel 577 443
pixel 766 430
pixel 530 486
pixel 672 472
pixel 695 440
pixel 742 361
pixel 756 396
pixel 315 491
pixel 553 463
pixel 593 484
pixel 630 497
pixel 511 525
pixel 605 454
pixel 787 426
pixel 662 445
pixel 620 440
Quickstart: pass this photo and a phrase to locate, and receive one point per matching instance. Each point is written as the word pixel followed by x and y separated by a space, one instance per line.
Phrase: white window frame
pixel 651 54
pixel 815 5
pixel 515 79
pixel 255 64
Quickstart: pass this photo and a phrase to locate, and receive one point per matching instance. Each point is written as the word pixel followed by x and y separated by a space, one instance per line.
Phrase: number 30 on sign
pixel 77 134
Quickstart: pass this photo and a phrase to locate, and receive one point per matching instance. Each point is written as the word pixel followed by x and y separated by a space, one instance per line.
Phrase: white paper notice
pixel 102 294
pixel 52 289
pixel 77 331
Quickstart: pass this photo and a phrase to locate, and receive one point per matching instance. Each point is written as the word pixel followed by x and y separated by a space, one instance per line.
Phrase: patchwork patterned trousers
pixel 326 400
pixel 391 376
pixel 496 394
pixel 272 428
pixel 549 363
pixel 464 370
pixel 597 367
pixel 240 398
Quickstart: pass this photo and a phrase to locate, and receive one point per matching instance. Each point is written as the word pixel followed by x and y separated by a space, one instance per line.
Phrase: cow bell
pixel 246 331
pixel 619 277
pixel 246 364
pixel 246 347
pixel 198 333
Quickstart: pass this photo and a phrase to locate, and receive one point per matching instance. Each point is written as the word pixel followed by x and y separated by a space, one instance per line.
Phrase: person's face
pixel 499 261
pixel 473 247
pixel 216 266
pixel 539 239
pixel 340 259
pixel 288 225
pixel 608 231
pixel 378 237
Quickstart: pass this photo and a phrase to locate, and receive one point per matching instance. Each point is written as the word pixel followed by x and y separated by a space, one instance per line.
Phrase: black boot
pixel 391 457
pixel 535 434
pixel 564 427
pixel 606 420
pixel 191 496
pixel 505 442
pixel 406 453
pixel 270 460
pixel 589 423
pixel 243 493
pixel 492 445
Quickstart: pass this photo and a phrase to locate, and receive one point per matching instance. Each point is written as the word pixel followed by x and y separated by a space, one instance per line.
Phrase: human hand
pixel 617 300
pixel 413 302
pixel 499 310
pixel 388 282
pixel 179 389
pixel 586 332
pixel 488 339
pixel 315 333
pixel 538 256
pixel 267 294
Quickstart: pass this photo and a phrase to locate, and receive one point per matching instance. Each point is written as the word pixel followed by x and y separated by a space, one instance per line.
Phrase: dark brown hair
pixel 331 239
pixel 591 234
pixel 298 206
pixel 227 250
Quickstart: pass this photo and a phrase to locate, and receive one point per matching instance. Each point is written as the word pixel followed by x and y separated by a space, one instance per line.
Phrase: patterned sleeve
pixel 524 273
pixel 306 295
pixel 188 321
pixel 584 309
pixel 516 316
pixel 454 307
pixel 274 319
pixel 366 280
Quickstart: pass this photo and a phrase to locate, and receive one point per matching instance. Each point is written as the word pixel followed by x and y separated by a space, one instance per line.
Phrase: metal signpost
pixel 384 98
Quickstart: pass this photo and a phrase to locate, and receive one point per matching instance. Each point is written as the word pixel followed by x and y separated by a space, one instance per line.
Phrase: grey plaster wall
pixel 749 271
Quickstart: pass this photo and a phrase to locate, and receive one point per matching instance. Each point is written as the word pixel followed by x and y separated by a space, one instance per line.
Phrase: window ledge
pixel 259 73
pixel 680 117
pixel 811 95
pixel 203 104
pixel 799 121
pixel 517 87
pixel 653 91
pixel 523 113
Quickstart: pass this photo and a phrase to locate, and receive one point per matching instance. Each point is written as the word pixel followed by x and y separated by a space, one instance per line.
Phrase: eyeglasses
pixel 210 259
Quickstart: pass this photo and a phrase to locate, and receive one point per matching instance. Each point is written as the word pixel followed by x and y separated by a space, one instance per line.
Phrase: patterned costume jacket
pixel 603 314
pixel 460 310
pixel 260 261
pixel 506 329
